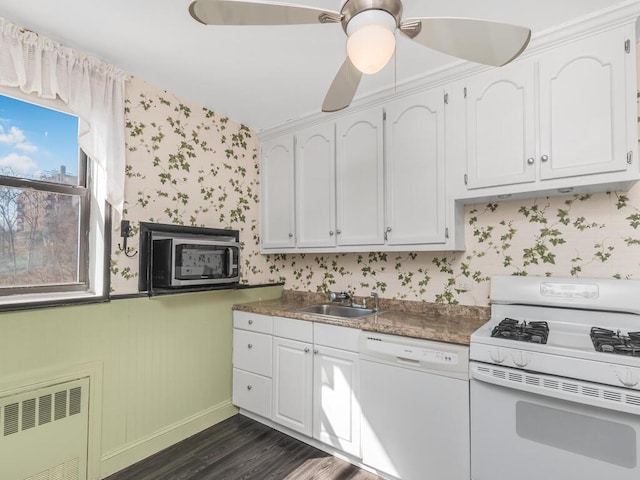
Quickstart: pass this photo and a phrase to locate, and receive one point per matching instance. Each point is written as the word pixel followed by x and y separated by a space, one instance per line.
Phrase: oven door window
pixel 593 437
pixel 193 262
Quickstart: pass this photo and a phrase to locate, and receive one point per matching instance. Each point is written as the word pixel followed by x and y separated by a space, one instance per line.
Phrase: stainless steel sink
pixel 330 310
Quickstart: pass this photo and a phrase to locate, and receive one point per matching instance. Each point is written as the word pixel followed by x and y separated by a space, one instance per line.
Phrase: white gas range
pixel 555 375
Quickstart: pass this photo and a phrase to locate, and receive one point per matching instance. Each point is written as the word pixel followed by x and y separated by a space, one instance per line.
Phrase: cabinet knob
pixel 306 350
pixel 331 233
pixel 338 232
pixel 530 160
pixel 250 322
pixel 249 387
pixel 250 346
pixel 315 351
pixel 544 158
pixel 291 235
pixel 388 229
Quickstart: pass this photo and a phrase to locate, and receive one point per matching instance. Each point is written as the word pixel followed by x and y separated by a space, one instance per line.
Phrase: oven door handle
pixel 597 395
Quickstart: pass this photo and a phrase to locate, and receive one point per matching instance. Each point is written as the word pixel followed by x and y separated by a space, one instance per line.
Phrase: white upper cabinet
pixel 414 169
pixel 583 107
pixel 394 174
pixel 501 126
pixel 359 171
pixel 562 119
pixel 315 186
pixel 277 187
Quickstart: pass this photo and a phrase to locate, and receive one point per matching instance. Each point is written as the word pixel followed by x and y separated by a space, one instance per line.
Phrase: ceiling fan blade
pixel 481 41
pixel 343 88
pixel 225 12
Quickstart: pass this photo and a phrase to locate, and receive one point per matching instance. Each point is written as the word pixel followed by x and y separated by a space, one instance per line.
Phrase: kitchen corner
pixel 430 321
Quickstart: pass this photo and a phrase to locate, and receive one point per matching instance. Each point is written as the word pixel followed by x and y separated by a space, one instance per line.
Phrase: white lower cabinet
pixel 316 386
pixel 252 392
pixel 252 354
pixel 252 351
pixel 336 413
pixel 307 380
pixel 292 384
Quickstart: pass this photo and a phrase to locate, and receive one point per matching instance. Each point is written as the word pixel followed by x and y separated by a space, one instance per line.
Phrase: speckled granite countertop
pixel 446 323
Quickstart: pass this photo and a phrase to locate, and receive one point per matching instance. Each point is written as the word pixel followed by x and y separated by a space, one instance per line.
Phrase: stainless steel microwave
pixel 193 260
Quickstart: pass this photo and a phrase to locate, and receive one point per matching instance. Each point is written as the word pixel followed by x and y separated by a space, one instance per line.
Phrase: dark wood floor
pixel 242 449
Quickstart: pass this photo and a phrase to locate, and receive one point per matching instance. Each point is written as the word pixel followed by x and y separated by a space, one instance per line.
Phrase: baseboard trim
pixel 142 448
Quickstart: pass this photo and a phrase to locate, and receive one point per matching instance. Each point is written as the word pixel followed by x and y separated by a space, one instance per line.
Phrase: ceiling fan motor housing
pixel 351 8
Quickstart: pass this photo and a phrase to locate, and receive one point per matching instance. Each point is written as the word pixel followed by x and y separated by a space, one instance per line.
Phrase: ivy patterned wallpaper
pixel 188 165
pixel 590 235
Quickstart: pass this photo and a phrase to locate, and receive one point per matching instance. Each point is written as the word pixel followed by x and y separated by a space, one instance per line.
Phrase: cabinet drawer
pixel 344 338
pixel 294 329
pixel 252 352
pixel 252 392
pixel 253 322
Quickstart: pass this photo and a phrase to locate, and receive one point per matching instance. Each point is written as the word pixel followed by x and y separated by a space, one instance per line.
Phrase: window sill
pixel 28 301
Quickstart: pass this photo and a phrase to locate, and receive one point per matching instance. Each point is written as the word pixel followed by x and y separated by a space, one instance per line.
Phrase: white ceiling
pixel 260 76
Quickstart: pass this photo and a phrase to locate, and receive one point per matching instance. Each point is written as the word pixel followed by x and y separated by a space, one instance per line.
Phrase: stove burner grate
pixel 532 332
pixel 609 341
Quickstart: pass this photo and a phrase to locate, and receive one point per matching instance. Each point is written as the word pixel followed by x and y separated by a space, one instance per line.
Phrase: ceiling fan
pixel 370 26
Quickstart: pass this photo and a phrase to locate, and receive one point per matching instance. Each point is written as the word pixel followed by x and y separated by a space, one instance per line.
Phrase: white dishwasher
pixel 415 407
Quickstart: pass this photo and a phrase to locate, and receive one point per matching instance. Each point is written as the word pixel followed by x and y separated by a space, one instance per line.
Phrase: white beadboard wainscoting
pixel 160 367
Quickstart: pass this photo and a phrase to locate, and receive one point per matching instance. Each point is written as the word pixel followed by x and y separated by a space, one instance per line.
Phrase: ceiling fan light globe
pixel 371 41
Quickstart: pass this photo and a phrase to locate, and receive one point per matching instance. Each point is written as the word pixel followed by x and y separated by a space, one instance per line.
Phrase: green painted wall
pixel 165 363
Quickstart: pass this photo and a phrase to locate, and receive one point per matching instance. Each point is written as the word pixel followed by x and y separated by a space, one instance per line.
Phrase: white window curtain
pixel 91 89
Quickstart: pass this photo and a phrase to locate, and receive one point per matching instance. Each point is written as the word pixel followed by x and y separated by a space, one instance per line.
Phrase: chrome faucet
pixel 374 295
pixel 340 297
pixel 345 298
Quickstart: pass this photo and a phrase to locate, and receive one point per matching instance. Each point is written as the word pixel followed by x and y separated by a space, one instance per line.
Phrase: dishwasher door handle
pixel 408 361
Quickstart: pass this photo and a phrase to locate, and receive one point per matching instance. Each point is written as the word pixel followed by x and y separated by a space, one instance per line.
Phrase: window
pixel 46 211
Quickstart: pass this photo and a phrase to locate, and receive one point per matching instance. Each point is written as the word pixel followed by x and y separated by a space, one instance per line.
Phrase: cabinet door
pixel 336 414
pixel 359 165
pixel 315 186
pixel 292 384
pixel 276 178
pixel 583 97
pixel 500 126
pixel 414 167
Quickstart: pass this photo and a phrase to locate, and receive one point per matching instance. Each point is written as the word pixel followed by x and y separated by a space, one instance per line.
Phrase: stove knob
pixel 496 356
pixel 520 360
pixel 627 378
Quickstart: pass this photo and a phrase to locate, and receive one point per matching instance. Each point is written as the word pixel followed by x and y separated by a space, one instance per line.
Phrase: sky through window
pixel 35 140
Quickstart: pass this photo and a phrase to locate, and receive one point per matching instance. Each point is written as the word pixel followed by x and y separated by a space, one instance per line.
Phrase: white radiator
pixel 44 431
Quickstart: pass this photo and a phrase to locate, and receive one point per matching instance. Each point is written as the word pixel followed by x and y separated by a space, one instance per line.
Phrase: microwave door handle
pixel 229 262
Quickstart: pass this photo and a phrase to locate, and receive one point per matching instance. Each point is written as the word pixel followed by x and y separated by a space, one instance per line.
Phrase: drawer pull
pixel 250 346
pixel 249 387
pixel 250 322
